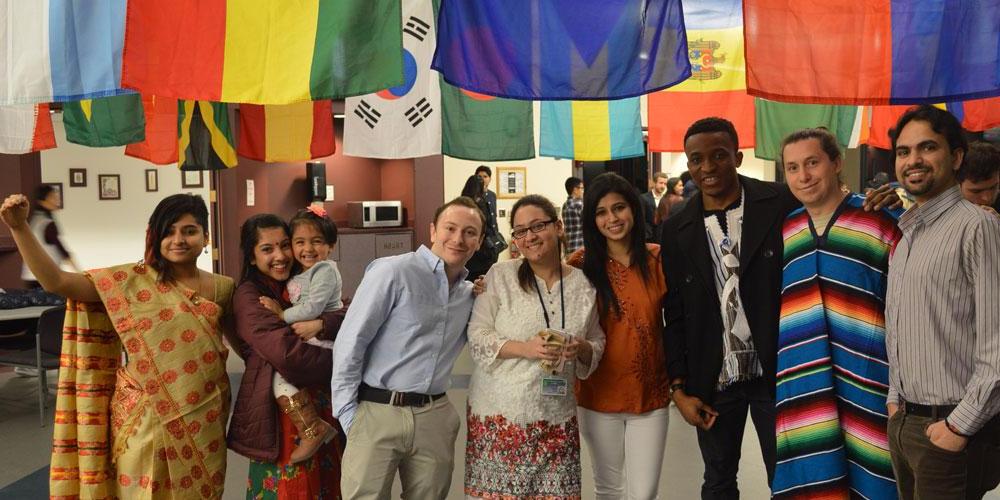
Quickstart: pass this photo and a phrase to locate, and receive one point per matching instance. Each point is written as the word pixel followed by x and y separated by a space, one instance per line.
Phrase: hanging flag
pixel 260 51
pixel 60 50
pixel 25 128
pixel 562 49
pixel 205 140
pixel 485 128
pixel 975 116
pixel 160 144
pixel 403 121
pixel 591 130
pixel 105 121
pixel 286 132
pixel 776 120
pixel 872 51
pixel 717 86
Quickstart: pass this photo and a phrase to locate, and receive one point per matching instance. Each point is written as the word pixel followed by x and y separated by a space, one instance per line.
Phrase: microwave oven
pixel 364 214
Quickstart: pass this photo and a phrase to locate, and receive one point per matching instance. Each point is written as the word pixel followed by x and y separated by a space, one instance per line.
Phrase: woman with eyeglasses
pixel 623 405
pixel 532 333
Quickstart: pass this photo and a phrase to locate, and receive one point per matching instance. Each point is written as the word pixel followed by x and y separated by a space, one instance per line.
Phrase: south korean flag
pixel 403 121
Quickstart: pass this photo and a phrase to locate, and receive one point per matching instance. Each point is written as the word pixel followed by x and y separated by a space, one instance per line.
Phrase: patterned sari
pixel 155 426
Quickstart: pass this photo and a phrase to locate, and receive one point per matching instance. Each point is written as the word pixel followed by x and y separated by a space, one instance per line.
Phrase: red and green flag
pixel 485 128
pixel 106 121
pixel 262 51
pixel 286 132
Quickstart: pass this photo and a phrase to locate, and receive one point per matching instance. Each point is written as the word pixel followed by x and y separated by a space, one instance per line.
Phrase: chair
pixel 44 355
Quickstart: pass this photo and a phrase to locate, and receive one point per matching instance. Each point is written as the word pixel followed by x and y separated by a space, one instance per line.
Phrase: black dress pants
pixel 721 445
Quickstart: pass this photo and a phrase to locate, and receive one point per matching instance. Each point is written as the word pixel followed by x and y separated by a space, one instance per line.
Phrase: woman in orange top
pixel 623 406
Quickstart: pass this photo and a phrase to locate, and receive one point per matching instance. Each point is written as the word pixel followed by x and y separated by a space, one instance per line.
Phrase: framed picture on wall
pixel 192 179
pixel 77 177
pixel 109 187
pixel 152 180
pixel 512 182
pixel 58 187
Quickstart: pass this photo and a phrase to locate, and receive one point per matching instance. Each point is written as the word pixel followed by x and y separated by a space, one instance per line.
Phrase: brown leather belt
pixel 393 398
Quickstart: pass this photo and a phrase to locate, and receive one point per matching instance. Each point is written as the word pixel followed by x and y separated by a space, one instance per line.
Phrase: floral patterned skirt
pixel 505 460
pixel 316 478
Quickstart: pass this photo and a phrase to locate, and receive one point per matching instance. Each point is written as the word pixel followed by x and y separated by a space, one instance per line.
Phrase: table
pixel 33 312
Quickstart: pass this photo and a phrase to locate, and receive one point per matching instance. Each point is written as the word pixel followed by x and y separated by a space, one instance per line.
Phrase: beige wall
pixel 101 233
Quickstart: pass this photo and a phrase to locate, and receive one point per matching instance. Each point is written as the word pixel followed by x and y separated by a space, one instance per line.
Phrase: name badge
pixel 554 386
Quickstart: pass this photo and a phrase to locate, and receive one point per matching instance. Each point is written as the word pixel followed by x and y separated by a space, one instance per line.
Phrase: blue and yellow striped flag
pixel 591 130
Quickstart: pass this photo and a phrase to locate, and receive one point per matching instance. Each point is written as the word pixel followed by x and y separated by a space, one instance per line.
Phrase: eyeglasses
pixel 535 228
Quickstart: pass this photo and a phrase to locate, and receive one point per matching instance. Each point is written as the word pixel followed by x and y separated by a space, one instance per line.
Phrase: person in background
pixel 486 174
pixel 832 370
pixel 486 255
pixel 651 200
pixel 393 359
pixel 942 320
pixel 43 225
pixel 623 404
pixel 671 203
pixel 979 175
pixel 523 434
pixel 571 211
pixel 689 186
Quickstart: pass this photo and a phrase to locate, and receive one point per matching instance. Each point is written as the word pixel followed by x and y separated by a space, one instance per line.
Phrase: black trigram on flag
pixel 367 113
pixel 416 114
pixel 416 28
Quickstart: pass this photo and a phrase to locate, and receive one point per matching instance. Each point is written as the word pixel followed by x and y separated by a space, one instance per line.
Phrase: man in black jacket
pixel 722 262
pixel 722 257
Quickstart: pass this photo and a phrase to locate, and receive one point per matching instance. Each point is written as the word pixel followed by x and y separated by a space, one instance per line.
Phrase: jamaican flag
pixel 205 140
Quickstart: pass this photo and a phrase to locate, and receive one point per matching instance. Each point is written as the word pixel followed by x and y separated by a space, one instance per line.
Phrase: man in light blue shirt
pixel 393 358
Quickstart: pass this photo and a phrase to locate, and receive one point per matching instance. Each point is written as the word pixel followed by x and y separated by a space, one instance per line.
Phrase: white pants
pixel 626 451
pixel 280 386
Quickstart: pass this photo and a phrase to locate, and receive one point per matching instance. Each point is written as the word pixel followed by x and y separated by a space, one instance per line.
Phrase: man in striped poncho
pixel 832 378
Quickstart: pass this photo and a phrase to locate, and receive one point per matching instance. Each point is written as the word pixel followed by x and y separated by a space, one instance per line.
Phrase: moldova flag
pixel 562 49
pixel 262 51
pixel 160 144
pixel 106 121
pixel 717 86
pixel 60 50
pixel 25 128
pixel 591 130
pixel 286 132
pixel 872 51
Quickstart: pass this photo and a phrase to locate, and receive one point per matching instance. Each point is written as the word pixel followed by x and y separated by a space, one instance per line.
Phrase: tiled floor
pixel 24 450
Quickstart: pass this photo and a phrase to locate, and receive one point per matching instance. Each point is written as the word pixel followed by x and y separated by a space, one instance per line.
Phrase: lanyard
pixel 562 301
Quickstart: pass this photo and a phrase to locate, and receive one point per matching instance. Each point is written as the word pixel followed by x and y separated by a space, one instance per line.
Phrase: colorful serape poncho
pixel 832 371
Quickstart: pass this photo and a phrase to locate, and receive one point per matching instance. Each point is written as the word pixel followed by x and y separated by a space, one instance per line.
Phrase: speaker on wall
pixel 316 180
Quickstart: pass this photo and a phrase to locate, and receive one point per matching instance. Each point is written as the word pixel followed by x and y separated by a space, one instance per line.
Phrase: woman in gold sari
pixel 153 425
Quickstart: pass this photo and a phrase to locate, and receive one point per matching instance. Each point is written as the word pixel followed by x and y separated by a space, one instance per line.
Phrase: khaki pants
pixel 926 472
pixel 419 442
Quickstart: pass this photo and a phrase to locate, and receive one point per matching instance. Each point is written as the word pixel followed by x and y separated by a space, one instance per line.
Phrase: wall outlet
pixel 329 192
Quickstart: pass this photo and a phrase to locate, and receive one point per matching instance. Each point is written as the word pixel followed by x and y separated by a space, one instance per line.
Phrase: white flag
pixel 404 121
